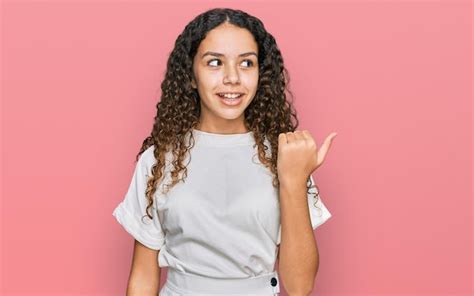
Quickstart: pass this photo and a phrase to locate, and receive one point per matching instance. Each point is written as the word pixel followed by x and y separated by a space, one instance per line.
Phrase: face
pixel 226 62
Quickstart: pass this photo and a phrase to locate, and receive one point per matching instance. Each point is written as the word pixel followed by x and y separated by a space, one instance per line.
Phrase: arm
pixel 298 158
pixel 298 258
pixel 145 272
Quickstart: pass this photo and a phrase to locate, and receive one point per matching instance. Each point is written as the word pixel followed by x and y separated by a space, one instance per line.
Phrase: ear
pixel 193 81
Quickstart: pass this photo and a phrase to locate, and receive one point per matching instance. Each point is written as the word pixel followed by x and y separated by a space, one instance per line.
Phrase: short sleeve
pixel 318 213
pixel 130 211
pixel 317 210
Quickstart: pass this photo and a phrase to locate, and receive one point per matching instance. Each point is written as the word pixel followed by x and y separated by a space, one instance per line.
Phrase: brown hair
pixel 178 111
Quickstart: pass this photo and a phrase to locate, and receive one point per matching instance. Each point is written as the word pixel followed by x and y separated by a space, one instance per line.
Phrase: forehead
pixel 229 40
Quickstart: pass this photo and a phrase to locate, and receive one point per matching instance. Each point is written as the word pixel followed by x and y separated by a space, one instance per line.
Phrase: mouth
pixel 233 100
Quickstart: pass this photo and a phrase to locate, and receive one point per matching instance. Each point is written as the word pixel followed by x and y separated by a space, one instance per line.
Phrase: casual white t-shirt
pixel 223 221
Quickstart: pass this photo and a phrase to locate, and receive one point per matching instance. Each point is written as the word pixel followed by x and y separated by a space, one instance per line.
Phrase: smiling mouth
pixel 230 98
pixel 231 101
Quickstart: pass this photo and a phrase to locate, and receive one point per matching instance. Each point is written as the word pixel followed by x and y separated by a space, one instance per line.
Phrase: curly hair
pixel 178 111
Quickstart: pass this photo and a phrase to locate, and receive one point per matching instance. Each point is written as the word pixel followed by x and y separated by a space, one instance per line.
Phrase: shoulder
pixel 149 152
pixel 147 158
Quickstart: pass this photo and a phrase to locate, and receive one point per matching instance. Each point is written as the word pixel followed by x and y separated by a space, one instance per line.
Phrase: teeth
pixel 230 96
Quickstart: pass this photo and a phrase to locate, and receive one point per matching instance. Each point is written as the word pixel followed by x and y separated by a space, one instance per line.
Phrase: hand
pixel 298 155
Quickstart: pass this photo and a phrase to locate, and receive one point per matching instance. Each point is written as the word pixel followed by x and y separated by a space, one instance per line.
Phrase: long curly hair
pixel 178 111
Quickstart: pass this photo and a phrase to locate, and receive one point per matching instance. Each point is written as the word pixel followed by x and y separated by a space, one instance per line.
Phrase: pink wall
pixel 79 87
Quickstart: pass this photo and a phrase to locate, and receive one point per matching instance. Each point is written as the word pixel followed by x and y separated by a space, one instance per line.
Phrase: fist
pixel 299 156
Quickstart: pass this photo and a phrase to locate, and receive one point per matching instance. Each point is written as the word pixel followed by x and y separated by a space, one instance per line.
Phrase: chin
pixel 230 115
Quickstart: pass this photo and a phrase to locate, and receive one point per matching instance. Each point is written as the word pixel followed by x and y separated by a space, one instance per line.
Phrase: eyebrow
pixel 221 55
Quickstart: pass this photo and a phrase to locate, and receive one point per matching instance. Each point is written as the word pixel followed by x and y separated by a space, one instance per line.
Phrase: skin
pixel 299 156
pixel 298 257
pixel 144 277
pixel 227 73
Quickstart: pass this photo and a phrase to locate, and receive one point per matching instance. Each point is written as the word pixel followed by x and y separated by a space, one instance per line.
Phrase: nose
pixel 231 75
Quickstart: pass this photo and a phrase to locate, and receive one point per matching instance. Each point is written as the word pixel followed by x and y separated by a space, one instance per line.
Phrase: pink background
pixel 80 81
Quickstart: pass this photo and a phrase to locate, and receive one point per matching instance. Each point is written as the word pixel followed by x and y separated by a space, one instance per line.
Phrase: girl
pixel 222 187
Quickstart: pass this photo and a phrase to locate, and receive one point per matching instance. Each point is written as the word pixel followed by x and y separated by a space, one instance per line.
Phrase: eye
pixel 208 63
pixel 250 62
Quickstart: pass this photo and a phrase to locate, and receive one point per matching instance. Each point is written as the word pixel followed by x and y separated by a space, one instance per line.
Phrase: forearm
pixel 143 284
pixel 298 258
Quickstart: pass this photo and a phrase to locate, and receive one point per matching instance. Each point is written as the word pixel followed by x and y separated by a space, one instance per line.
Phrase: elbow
pixel 302 285
pixel 301 291
pixel 133 290
pixel 141 284
pixel 300 288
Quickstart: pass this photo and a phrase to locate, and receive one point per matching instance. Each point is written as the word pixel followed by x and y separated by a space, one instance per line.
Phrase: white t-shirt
pixel 223 221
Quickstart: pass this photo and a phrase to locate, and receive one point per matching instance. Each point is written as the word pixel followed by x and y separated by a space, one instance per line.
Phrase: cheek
pixel 251 81
pixel 209 81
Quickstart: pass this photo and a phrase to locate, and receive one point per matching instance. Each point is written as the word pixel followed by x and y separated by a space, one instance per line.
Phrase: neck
pixel 222 129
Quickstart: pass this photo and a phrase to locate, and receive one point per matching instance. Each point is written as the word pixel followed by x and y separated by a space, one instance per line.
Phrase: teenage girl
pixel 222 193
